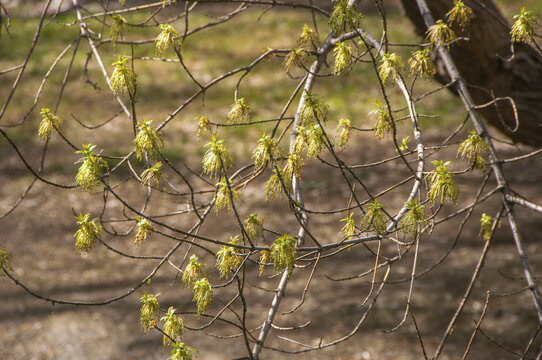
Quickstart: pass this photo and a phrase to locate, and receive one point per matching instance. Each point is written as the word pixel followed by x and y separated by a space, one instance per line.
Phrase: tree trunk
pixel 491 69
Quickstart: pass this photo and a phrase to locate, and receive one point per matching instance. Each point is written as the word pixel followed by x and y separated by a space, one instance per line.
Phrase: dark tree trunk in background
pixel 487 64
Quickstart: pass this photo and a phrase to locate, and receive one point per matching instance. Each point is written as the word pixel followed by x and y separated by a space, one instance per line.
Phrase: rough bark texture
pixel 491 70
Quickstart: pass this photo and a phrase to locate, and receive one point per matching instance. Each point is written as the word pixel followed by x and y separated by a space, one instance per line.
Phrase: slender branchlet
pixel 89 231
pixel 148 141
pixel 150 309
pixel 227 261
pixel 49 121
pixel 441 183
pixel 173 327
pixel 193 272
pixel 144 227
pixel 421 63
pixel 374 219
pixel 203 295
pixel 283 252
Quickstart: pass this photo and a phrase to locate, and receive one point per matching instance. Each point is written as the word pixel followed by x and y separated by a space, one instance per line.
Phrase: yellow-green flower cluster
pixel 344 18
pixel 264 258
pixel 524 25
pixel 240 111
pixel 349 227
pixel 313 109
pixel 193 272
pixel 296 57
pixel 224 196
pixel 227 261
pixel 344 126
pixel 118 28
pixel 180 351
pixel 308 38
pixel 273 186
pixel 390 63
pixel 283 252
pixel 216 158
pixel 472 148
pixel 148 141
pixel 486 223
pixel 89 231
pixel 169 37
pixel 49 121
pixel 153 173
pixel 204 125
pixel 144 227
pixel 253 225
pixel 173 327
pixel 374 219
pixel 441 183
pixel 440 33
pixel 5 262
pixel 383 123
pixel 267 150
pixel 421 63
pixel 460 13
pixel 150 309
pixel 203 295
pixel 343 57
pixel 123 79
pixel 415 219
pixel 92 167
pixel 294 165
